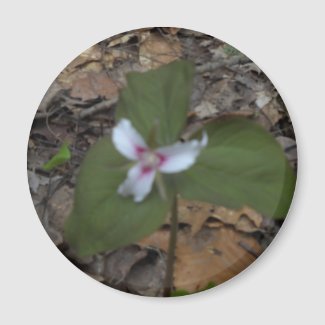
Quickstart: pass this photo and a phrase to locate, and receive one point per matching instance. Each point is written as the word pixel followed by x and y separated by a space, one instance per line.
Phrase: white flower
pixel 170 159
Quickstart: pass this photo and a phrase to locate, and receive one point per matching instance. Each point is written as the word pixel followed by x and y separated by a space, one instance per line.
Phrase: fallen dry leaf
pixel 60 204
pixel 215 246
pixel 270 114
pixel 262 99
pixel 244 219
pixel 171 30
pixel 195 214
pixel 113 55
pixel 146 277
pixel 212 255
pixel 290 148
pixel 86 61
pixel 71 73
pixel 156 50
pixel 35 180
pixel 225 95
pixel 218 53
pixel 205 109
pixel 121 39
pixel 94 53
pixel 250 67
pixel 92 86
pixel 119 263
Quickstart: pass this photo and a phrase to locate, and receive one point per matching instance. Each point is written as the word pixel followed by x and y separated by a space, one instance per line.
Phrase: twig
pixel 53 92
pixel 210 66
pixel 106 104
pixel 248 249
pixel 44 115
pixel 46 199
pixel 50 129
pixel 168 283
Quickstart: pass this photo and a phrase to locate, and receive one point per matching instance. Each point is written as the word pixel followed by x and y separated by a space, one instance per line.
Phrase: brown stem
pixel 168 284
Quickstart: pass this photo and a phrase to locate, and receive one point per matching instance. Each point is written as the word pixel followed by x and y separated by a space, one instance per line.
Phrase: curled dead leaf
pixel 196 214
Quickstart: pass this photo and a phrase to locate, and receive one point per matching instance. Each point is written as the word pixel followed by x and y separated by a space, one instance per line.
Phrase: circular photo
pixel 162 162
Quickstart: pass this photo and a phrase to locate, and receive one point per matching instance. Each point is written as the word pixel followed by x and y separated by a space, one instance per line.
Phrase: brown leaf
pixel 85 62
pixel 60 204
pixel 94 85
pixel 205 109
pixel 156 51
pixel 115 54
pixel 93 53
pixel 212 255
pixel 119 263
pixel 289 147
pixel 214 247
pixel 226 95
pixel 270 114
pixel 57 208
pixel 121 39
pixel 146 277
pixel 197 213
pixel 72 73
pixel 171 30
pixel 244 219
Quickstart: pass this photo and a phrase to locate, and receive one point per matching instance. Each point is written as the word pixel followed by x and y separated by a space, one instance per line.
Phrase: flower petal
pixel 181 155
pixel 127 140
pixel 138 182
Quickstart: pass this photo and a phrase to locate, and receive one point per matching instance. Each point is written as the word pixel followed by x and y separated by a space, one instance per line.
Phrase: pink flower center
pixel 150 160
pixel 140 150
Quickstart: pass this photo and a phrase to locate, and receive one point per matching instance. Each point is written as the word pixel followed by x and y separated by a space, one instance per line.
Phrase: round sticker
pixel 162 162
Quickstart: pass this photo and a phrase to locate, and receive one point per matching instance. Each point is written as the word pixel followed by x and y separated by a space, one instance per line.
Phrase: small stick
pixel 98 107
pixel 210 66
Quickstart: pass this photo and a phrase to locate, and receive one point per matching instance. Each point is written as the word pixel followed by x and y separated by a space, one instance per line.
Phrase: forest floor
pixel 214 243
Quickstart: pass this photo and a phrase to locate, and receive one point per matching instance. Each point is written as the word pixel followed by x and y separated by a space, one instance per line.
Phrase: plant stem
pixel 161 186
pixel 168 284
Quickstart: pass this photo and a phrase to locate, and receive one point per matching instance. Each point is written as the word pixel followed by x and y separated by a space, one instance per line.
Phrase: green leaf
pixel 210 285
pixel 183 292
pixel 179 293
pixel 158 98
pixel 61 157
pixel 101 218
pixel 242 165
pixel 230 51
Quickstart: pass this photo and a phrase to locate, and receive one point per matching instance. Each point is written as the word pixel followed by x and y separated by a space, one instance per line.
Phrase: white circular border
pixel 38 285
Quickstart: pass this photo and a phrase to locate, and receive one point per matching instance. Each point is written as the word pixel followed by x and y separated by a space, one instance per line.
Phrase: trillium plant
pixel 129 182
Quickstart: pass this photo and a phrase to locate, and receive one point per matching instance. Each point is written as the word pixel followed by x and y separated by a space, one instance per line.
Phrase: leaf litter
pixel 214 242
